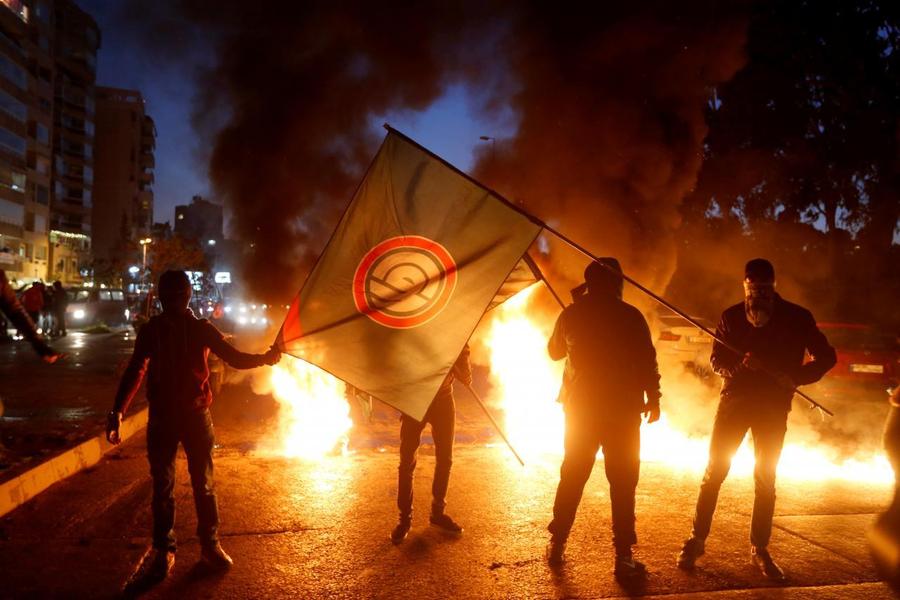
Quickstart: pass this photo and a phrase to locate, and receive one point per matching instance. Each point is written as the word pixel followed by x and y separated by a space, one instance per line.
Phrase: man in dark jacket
pixel 610 368
pixel 757 388
pixel 14 311
pixel 172 348
pixel 442 417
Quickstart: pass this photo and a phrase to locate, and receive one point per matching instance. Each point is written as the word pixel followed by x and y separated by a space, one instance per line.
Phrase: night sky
pixel 448 127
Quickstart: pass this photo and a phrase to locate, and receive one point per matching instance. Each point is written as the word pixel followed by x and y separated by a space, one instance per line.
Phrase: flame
pixel 314 417
pixel 526 383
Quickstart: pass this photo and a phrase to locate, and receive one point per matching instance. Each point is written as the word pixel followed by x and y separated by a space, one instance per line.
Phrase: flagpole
pixel 493 422
pixel 540 274
pixel 594 257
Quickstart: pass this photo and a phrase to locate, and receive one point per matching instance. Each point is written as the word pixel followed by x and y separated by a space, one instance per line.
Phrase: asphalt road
pixel 47 408
pixel 316 529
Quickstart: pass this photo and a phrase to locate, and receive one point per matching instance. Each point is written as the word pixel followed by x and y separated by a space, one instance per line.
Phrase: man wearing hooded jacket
pixel 757 387
pixel 610 368
pixel 172 348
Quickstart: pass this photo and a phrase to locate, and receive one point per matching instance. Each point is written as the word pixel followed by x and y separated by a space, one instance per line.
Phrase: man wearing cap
pixel 172 348
pixel 757 386
pixel 611 379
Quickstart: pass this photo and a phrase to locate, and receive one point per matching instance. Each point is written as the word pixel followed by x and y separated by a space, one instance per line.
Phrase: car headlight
pixel 78 314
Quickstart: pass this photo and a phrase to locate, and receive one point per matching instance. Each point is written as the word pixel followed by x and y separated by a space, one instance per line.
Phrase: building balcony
pixel 148 161
pixel 147 178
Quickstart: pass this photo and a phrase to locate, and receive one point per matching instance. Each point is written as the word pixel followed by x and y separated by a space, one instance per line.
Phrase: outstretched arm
pixel 217 343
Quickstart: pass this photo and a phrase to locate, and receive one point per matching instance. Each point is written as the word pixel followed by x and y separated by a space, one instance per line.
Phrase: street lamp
pixel 144 243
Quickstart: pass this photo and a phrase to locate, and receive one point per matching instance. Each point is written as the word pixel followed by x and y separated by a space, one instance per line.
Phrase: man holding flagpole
pixel 441 415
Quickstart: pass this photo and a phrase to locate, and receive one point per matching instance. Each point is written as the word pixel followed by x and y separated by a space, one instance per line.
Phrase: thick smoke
pixel 612 125
pixel 610 106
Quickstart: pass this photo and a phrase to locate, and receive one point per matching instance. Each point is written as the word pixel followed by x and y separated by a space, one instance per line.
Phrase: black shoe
pixel 153 568
pixel 692 550
pixel 556 550
pixel 400 531
pixel 444 521
pixel 627 567
pixel 763 560
pixel 214 557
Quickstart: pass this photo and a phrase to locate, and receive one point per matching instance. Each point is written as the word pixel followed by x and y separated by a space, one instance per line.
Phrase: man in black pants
pixel 442 417
pixel 757 388
pixel 172 348
pixel 610 367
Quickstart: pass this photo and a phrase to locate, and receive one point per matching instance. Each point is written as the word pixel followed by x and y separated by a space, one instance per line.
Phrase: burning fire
pixel 314 419
pixel 526 383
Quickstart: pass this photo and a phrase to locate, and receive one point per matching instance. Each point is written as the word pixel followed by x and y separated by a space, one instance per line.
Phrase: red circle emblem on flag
pixel 404 281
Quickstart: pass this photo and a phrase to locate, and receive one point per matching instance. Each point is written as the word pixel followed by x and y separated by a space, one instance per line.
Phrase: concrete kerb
pixel 19 490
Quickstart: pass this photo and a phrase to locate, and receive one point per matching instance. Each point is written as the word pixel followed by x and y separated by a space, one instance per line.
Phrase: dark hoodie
pixel 611 360
pixel 174 347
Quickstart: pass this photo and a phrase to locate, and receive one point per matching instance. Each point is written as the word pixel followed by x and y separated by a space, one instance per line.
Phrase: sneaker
pixel 763 561
pixel 153 568
pixel 215 557
pixel 627 567
pixel 692 550
pixel 400 531
pixel 555 552
pixel 445 522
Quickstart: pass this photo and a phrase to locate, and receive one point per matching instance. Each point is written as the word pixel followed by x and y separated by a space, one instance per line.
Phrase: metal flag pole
pixel 493 421
pixel 593 256
pixel 676 310
pixel 537 270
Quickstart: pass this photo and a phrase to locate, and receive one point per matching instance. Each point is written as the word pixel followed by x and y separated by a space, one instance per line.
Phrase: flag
pixel 418 257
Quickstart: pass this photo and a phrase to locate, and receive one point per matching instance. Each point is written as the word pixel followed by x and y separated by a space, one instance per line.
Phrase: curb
pixel 19 490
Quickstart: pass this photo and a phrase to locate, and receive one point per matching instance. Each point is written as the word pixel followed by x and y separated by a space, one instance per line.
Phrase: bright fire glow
pixel 526 383
pixel 314 418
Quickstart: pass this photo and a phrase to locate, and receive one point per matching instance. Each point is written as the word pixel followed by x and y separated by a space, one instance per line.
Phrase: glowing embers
pixel 314 417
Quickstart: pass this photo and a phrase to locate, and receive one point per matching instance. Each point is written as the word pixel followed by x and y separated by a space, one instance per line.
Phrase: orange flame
pixel 526 383
pixel 314 417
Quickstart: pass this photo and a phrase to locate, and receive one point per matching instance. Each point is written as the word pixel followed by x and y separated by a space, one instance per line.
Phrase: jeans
pixel 768 427
pixel 442 417
pixel 194 430
pixel 620 439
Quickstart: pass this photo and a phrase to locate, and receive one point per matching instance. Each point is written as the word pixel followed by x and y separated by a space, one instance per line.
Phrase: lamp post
pixel 144 243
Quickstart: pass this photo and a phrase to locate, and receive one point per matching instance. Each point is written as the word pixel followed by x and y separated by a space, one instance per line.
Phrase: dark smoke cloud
pixel 610 102
pixel 612 125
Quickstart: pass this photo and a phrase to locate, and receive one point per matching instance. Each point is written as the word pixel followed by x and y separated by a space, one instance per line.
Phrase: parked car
pixel 92 306
pixel 865 355
pixel 681 339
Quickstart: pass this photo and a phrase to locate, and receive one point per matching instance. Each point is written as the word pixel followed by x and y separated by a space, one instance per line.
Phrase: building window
pixel 42 165
pixel 88 175
pixel 42 134
pixel 40 252
pixel 42 195
pixel 40 224
pixel 12 142
pixel 13 72
pixel 12 213
pixel 13 107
